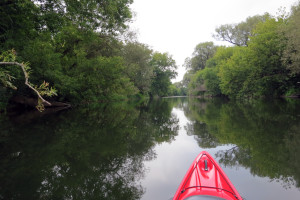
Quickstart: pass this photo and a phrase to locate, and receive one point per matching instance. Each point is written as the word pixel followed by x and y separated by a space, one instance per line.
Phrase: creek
pixel 130 151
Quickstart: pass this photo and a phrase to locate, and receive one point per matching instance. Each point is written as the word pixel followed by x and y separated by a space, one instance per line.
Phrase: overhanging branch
pixel 26 79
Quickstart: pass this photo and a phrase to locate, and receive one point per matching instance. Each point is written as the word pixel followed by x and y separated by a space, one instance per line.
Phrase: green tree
pixel 291 54
pixel 239 34
pixel 164 70
pixel 233 72
pixel 188 74
pixel 101 15
pixel 257 70
pixel 196 85
pixel 177 89
pixel 266 76
pixel 212 81
pixel 65 42
pixel 173 90
pixel 137 57
pixel 193 79
pixel 19 23
pixel 210 73
pixel 201 54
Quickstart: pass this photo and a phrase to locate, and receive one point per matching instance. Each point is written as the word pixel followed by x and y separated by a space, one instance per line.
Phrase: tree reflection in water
pixel 98 151
pixel 201 135
pixel 95 152
pixel 265 134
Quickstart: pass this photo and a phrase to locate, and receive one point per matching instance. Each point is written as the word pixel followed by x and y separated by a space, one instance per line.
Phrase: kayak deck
pixel 205 179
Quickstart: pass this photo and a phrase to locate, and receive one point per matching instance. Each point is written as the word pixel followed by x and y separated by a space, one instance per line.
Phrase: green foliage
pixel 194 79
pixel 239 34
pixel 9 58
pixel 103 77
pixel 186 79
pixel 267 76
pixel 233 73
pixel 137 58
pixel 76 46
pixel 222 54
pixel 212 81
pixel 173 90
pixel 291 54
pixel 292 92
pixel 265 65
pixel 104 15
pixel 212 70
pixel 44 59
pixel 44 90
pixel 164 70
pixel 6 79
pixel 256 70
pixel 177 89
pixel 196 85
pixel 19 22
pixel 201 54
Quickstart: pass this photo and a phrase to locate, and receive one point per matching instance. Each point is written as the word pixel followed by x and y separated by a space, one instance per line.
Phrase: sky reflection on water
pixel 165 173
pixel 130 152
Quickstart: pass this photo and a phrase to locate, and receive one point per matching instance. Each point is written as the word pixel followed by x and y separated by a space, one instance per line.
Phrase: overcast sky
pixel 177 26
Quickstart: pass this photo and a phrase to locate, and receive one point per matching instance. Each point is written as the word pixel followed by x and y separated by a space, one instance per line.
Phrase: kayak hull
pixel 207 179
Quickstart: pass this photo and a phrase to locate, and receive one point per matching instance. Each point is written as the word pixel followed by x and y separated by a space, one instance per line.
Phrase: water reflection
pixel 266 135
pixel 96 152
pixel 103 151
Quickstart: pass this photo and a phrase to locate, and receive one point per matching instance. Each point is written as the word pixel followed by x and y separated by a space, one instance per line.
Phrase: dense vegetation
pixel 86 51
pixel 82 48
pixel 262 60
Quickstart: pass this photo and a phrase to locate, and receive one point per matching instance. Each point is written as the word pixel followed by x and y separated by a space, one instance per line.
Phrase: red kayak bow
pixel 205 179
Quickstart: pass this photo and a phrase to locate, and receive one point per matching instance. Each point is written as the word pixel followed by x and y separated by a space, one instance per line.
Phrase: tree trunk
pixel 33 102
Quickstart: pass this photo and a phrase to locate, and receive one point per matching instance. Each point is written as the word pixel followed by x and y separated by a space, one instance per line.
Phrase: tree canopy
pixel 164 70
pixel 239 34
pixel 264 61
pixel 202 52
pixel 79 48
pixel 291 54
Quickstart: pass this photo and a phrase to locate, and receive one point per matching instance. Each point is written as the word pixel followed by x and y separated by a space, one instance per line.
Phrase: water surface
pixel 129 151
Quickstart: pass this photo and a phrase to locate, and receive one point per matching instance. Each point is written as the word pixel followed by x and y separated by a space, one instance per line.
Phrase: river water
pixel 130 151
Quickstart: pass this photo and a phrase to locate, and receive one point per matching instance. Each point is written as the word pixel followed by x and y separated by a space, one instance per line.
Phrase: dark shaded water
pixel 125 151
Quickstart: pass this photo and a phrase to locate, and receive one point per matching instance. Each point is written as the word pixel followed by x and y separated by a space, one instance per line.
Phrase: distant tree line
pixel 263 59
pixel 83 49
